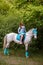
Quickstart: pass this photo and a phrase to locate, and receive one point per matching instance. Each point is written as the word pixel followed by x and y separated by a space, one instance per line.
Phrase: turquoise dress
pixel 22 30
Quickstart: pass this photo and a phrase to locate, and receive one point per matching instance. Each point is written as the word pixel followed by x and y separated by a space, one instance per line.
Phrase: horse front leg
pixel 6 49
pixel 26 53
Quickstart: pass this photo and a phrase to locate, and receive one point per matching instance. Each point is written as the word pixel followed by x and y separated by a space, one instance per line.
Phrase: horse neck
pixel 30 33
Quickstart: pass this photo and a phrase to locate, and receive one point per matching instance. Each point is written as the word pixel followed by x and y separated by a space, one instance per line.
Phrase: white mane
pixel 30 31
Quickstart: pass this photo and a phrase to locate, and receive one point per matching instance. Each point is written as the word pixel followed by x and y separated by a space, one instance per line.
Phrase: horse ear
pixel 36 28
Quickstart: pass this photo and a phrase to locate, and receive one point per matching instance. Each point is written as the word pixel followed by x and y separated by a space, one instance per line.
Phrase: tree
pixel 29 0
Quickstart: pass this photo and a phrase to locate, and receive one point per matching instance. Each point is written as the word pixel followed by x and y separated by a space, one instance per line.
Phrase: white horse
pixel 13 37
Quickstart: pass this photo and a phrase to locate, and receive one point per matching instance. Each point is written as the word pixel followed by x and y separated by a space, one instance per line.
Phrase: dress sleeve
pixel 19 30
pixel 25 29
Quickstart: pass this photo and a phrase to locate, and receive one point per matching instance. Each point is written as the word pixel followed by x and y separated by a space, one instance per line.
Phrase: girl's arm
pixel 19 30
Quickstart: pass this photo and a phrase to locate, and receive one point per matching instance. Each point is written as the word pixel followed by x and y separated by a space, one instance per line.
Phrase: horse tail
pixel 5 42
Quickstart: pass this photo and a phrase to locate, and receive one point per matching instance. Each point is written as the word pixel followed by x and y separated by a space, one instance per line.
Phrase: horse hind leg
pixel 7 49
pixel 5 46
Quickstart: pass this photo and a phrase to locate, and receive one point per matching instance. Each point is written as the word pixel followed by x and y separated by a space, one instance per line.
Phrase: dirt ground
pixel 20 59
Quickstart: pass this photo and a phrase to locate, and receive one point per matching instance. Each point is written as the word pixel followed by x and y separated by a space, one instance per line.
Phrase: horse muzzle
pixel 35 36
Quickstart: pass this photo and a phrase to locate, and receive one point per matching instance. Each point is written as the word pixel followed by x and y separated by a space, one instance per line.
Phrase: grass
pixel 17 57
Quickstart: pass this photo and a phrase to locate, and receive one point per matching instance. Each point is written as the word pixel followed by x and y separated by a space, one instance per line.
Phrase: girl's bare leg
pixel 21 39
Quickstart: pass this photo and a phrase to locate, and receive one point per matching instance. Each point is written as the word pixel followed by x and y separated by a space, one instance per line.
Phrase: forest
pixel 28 11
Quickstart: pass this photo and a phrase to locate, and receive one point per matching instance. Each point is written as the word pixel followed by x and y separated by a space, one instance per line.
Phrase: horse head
pixel 35 33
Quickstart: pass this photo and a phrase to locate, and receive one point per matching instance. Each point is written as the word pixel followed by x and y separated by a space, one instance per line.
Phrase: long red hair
pixel 21 24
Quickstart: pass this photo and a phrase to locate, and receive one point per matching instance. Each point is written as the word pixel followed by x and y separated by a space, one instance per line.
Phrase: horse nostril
pixel 35 37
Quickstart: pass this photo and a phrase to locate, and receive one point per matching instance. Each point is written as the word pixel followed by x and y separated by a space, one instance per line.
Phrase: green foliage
pixel 4 8
pixel 14 11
